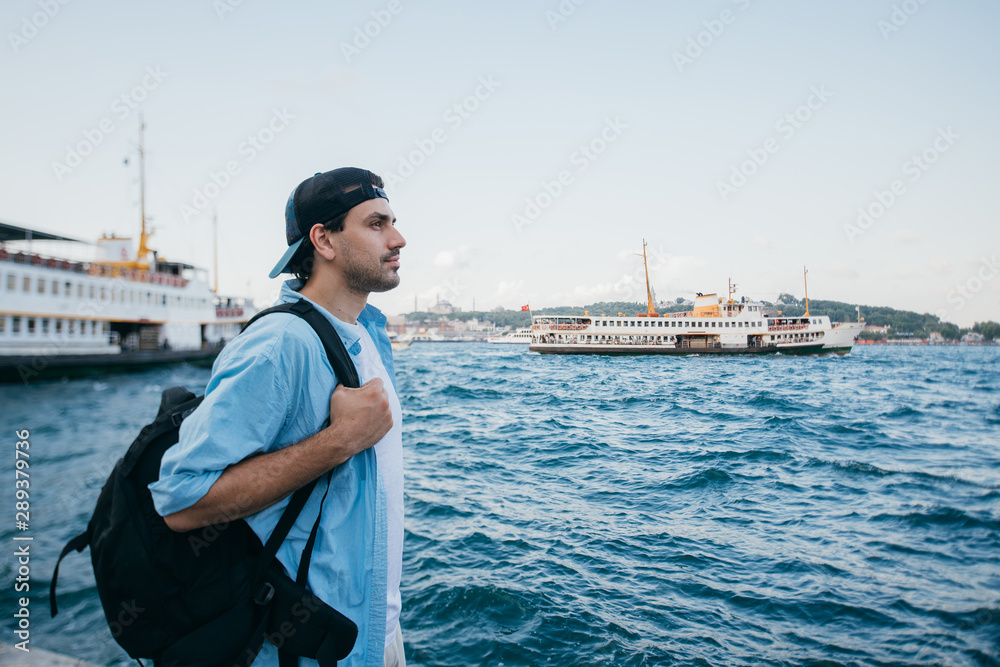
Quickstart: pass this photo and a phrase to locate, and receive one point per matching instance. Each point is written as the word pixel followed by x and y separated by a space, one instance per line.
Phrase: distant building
pixel 396 323
pixel 442 308
pixel 879 330
pixel 973 338
pixel 935 337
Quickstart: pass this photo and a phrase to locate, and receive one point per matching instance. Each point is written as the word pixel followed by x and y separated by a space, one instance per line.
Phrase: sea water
pixel 622 511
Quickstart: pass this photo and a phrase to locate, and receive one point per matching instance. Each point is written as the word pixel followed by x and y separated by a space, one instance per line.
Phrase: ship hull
pixel 40 368
pixel 641 350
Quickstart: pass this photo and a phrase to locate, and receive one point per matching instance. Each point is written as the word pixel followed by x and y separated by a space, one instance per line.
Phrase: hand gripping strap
pixel 343 367
pixel 346 373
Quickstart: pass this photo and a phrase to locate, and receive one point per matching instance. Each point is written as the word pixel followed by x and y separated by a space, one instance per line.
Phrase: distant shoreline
pixel 923 343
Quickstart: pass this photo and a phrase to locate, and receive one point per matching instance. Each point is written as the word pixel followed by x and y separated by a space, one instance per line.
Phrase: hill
pixel 902 323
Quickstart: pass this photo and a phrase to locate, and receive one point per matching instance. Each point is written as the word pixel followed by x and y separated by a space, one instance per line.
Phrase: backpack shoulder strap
pixel 339 358
pixel 79 543
pixel 347 374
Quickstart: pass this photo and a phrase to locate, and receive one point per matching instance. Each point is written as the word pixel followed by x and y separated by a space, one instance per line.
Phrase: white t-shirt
pixel 389 453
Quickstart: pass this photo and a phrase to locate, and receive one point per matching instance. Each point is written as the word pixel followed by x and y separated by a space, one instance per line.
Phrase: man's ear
pixel 323 241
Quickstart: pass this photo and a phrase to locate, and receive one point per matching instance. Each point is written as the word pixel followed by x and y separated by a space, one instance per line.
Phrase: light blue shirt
pixel 270 388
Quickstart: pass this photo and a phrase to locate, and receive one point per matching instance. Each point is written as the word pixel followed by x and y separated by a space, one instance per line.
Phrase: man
pixel 261 431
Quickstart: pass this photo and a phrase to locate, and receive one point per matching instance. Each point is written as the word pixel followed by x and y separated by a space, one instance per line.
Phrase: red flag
pixel 525 308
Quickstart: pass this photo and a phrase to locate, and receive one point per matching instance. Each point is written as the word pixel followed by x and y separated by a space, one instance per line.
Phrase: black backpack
pixel 209 597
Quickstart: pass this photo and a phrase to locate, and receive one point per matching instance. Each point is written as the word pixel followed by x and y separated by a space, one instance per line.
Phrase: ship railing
pixel 787 327
pixel 93 268
pixel 229 312
pixel 560 327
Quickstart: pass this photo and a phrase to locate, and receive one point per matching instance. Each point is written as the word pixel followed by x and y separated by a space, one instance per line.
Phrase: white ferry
pixel 121 311
pixel 522 335
pixel 713 326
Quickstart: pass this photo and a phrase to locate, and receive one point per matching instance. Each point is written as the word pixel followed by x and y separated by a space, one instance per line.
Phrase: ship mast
pixel 650 307
pixel 805 282
pixel 144 235
pixel 215 248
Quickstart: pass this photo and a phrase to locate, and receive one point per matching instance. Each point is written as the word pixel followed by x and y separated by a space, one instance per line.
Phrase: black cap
pixel 318 200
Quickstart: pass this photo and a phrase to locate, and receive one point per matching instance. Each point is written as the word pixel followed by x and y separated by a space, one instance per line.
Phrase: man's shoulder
pixel 276 337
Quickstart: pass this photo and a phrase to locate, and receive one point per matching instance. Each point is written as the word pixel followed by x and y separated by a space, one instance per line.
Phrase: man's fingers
pixel 376 383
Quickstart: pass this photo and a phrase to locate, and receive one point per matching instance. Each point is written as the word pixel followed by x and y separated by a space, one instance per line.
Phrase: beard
pixel 365 274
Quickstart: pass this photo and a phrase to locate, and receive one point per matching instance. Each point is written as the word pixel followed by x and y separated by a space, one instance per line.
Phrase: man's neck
pixel 341 302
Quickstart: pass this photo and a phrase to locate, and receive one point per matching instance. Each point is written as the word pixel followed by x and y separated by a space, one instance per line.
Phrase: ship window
pixel 11 282
pixel 45 326
pixel 104 294
pixel 68 289
pixel 31 325
pixel 59 326
pixel 55 288
pixel 79 290
pixel 41 285
pixel 91 291
pixel 15 325
pixel 27 283
pixel 3 324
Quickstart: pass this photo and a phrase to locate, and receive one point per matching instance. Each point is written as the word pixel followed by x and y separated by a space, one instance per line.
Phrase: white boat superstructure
pixel 67 307
pixel 713 326
pixel 522 335
pixel 121 309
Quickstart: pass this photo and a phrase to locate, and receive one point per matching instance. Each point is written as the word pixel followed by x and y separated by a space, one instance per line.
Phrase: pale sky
pixel 531 146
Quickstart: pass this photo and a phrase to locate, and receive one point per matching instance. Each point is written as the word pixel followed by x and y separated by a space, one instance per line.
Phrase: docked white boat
pixel 713 326
pixel 397 342
pixel 122 310
pixel 521 336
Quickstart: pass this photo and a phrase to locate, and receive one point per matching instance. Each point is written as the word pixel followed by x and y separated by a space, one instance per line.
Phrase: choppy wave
pixel 638 511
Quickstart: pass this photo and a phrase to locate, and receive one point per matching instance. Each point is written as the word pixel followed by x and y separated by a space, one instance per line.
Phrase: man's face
pixel 368 247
